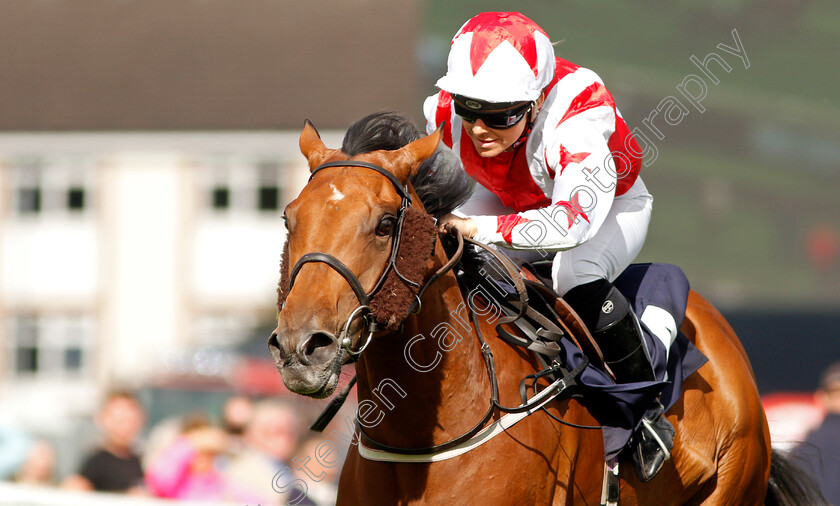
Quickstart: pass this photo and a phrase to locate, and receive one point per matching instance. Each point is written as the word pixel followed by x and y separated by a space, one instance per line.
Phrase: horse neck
pixel 430 377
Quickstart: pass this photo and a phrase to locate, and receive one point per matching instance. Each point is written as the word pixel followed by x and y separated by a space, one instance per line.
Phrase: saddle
pixel 552 329
pixel 546 317
pixel 553 305
pixel 542 317
pixel 546 325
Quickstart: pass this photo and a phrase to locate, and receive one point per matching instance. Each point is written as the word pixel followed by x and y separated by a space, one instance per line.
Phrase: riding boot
pixel 616 329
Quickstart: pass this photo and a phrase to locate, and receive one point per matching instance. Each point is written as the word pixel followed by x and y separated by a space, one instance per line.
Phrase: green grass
pixel 733 224
pixel 791 53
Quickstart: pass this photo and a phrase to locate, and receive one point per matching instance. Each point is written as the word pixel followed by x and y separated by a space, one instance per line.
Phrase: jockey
pixel 545 136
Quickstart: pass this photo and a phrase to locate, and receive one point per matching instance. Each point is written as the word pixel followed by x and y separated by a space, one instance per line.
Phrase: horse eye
pixel 386 225
pixel 286 222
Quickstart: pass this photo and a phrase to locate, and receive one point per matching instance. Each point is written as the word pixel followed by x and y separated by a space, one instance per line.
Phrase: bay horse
pixel 422 372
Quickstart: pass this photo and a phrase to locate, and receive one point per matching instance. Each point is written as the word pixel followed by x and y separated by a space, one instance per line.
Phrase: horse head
pixel 343 235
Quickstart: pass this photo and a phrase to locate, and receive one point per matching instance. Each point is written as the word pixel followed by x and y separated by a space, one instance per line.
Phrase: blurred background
pixel 148 148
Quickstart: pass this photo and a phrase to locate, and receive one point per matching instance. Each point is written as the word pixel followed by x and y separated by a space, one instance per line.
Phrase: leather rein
pixel 472 438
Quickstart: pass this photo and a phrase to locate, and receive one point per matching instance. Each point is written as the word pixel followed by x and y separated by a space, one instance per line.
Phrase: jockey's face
pixel 490 142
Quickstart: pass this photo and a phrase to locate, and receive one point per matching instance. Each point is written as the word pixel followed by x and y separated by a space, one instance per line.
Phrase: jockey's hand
pixel 466 226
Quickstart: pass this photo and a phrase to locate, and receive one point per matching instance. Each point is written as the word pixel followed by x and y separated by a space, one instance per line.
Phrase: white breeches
pixel 616 244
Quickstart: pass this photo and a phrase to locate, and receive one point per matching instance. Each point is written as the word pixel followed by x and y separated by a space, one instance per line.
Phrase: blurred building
pixel 122 252
pixel 147 150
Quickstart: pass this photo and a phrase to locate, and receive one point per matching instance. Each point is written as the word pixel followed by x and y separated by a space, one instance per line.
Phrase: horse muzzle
pixel 310 367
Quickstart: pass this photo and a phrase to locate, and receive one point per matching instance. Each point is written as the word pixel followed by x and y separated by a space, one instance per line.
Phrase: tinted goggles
pixel 491 114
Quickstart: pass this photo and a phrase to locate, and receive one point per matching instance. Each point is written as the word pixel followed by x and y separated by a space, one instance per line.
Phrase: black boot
pixel 607 313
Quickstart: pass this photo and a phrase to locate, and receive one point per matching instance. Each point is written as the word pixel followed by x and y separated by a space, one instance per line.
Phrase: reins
pixel 478 434
pixel 335 404
pixel 387 452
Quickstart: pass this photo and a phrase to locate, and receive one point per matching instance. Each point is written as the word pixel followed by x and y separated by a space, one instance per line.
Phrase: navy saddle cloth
pixel 620 407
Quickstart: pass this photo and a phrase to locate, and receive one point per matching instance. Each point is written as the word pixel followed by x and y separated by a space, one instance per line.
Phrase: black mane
pixel 440 182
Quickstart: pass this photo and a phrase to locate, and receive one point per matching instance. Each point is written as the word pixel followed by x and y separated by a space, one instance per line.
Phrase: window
pixel 29 200
pixel 26 354
pixel 29 191
pixel 221 197
pixel 76 199
pixel 55 184
pixel 269 199
pixel 27 359
pixel 53 346
pixel 269 190
pixel 244 184
pixel 73 359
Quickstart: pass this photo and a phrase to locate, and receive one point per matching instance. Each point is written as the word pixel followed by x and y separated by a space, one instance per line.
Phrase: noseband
pixel 363 310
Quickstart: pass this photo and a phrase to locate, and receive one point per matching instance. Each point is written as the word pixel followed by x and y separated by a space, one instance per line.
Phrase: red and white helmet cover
pixel 499 57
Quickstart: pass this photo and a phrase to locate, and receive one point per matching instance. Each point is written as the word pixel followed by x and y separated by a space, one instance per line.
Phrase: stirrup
pixel 653 443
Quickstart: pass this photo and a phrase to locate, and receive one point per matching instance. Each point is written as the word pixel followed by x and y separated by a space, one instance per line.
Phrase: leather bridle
pixel 363 310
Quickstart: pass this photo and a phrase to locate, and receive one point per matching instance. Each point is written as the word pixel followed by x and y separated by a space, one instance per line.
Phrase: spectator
pixel 820 453
pixel 39 467
pixel 236 413
pixel 14 445
pixel 187 469
pixel 114 467
pixel 271 438
pixel 159 437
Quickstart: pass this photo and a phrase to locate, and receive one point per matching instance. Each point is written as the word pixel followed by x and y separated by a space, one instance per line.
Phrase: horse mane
pixel 440 181
pixel 441 184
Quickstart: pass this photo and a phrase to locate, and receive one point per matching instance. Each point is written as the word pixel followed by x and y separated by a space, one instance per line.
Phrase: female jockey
pixel 545 136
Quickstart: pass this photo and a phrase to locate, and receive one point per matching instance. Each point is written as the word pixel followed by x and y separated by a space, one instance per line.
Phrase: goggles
pixel 494 115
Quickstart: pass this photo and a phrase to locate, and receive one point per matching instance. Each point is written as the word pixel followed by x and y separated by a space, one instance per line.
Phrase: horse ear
pixel 313 147
pixel 413 154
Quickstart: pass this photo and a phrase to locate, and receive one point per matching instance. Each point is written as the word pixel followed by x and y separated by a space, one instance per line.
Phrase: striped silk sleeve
pixel 583 190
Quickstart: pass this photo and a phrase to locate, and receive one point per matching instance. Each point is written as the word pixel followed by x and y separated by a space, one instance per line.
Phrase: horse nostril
pixel 275 349
pixel 316 342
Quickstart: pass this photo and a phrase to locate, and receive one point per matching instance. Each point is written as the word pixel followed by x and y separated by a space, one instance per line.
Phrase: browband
pixel 398 185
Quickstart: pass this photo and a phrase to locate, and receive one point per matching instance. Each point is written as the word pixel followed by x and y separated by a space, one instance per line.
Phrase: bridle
pixel 363 310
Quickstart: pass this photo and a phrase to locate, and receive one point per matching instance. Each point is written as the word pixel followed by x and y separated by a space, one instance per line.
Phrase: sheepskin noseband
pixel 394 300
pixel 391 305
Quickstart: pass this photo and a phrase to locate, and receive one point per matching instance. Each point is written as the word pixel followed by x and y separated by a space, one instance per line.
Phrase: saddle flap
pixel 566 316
